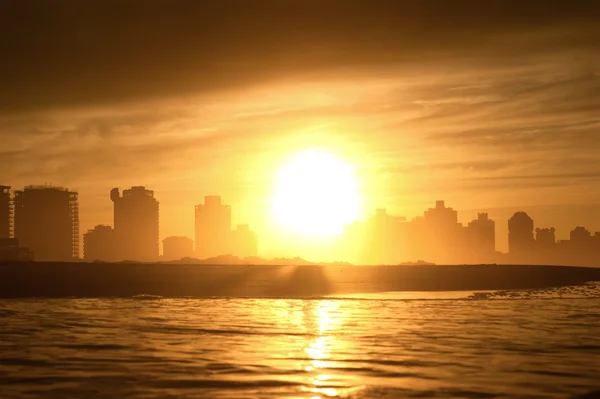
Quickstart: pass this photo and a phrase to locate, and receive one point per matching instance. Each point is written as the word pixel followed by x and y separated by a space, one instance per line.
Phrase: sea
pixel 507 344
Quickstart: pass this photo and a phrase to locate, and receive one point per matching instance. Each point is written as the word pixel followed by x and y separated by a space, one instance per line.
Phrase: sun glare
pixel 316 194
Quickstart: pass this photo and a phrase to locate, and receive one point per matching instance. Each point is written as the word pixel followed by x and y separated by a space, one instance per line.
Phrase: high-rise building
pixel 47 222
pixel 176 248
pixel 441 216
pixel 580 236
pixel 520 234
pixel 6 212
pixel 245 241
pixel 482 232
pixel 99 244
pixel 437 236
pixel 213 228
pixel 136 224
pixel 384 238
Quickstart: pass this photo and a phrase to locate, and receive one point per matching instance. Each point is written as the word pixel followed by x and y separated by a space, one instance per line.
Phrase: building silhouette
pixel 213 228
pixel 580 236
pixel 100 244
pixel 441 216
pixel 47 222
pixel 596 240
pixel 136 224
pixel 545 238
pixel 520 234
pixel 582 248
pixel 384 236
pixel 11 251
pixel 6 212
pixel 244 241
pixel 176 248
pixel 437 235
pixel 482 235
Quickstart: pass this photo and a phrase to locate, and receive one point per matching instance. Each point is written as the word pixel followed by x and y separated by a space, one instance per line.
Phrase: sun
pixel 316 194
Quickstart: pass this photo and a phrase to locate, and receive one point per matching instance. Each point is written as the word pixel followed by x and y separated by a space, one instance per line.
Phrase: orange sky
pixel 492 112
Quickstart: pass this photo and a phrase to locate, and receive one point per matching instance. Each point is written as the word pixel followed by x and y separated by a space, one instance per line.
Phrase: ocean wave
pixel 147 297
pixel 281 348
pixel 589 290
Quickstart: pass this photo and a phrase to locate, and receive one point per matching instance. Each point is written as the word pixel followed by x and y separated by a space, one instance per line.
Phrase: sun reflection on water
pixel 319 350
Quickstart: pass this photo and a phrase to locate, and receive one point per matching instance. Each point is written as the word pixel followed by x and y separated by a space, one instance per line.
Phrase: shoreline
pixel 93 280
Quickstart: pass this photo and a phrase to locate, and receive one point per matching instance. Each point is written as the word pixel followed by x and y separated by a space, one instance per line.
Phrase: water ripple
pixel 146 348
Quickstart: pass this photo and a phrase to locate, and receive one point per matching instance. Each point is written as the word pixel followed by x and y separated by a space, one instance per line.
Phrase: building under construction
pixel 47 222
pixel 6 212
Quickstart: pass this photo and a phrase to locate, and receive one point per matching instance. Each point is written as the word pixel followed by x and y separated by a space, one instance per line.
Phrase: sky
pixel 492 106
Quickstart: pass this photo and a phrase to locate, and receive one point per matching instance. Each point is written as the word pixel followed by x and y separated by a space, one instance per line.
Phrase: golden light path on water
pixel 319 351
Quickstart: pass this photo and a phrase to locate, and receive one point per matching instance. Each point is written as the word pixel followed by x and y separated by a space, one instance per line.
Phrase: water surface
pixel 528 344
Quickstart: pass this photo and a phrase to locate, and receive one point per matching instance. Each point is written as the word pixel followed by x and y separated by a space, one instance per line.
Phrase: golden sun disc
pixel 316 194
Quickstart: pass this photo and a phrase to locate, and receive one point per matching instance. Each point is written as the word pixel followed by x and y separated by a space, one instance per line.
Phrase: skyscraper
pixel 437 236
pixel 520 234
pixel 6 216
pixel 482 232
pixel 47 222
pixel 213 228
pixel 136 224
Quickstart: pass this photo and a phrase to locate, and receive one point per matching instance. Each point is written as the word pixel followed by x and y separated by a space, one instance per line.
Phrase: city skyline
pixel 588 216
pixel 491 111
pixel 382 238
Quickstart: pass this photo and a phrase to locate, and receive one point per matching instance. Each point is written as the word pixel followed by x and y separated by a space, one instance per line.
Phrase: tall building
pixel 520 234
pixel 6 212
pixel 441 216
pixel 136 224
pixel 580 236
pixel 482 232
pixel 47 222
pixel 581 248
pixel 383 238
pixel 176 248
pixel 99 244
pixel 213 228
pixel 437 236
pixel 244 241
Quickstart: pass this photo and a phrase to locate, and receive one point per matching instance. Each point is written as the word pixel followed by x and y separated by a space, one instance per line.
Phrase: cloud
pixel 74 53
pixel 433 98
